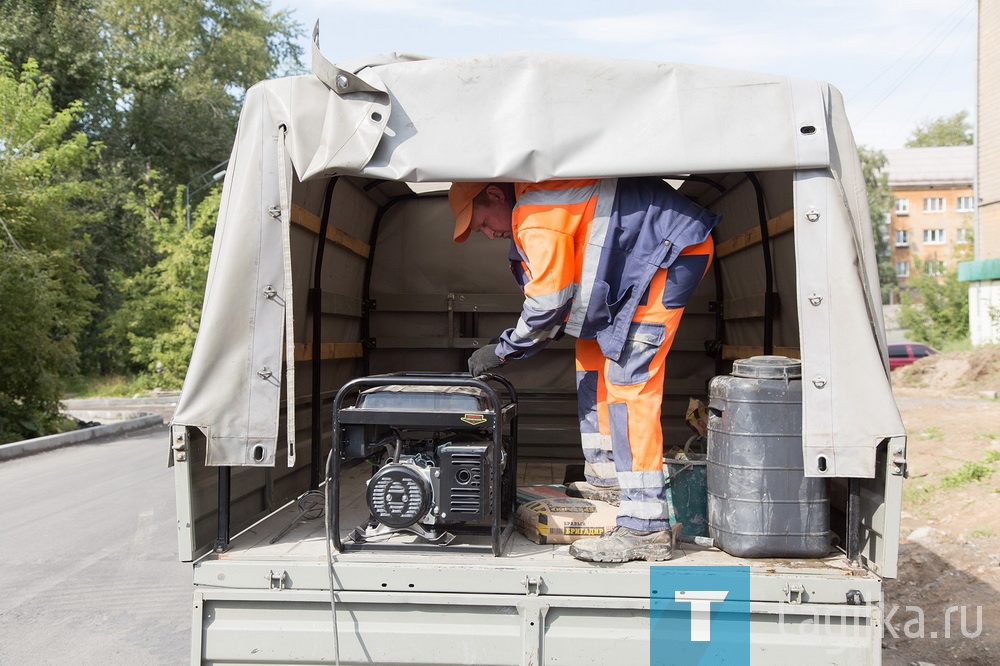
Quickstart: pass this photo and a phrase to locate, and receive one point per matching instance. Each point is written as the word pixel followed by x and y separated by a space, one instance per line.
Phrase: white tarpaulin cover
pixel 530 117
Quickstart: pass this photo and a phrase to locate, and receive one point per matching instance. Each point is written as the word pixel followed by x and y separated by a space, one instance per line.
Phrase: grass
pixel 111 386
pixel 918 494
pixel 970 472
pixel 931 433
pixel 983 533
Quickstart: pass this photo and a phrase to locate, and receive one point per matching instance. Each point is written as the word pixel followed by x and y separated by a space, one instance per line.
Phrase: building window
pixel 934 267
pixel 934 205
pixel 965 204
pixel 902 206
pixel 902 238
pixel 902 269
pixel 934 236
pixel 963 235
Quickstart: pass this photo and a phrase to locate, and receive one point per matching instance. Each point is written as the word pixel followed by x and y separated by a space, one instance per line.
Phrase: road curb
pixel 39 444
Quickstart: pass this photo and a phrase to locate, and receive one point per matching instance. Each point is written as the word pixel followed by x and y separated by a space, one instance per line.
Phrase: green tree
pixel 936 310
pixel 953 130
pixel 163 302
pixel 880 203
pixel 161 82
pixel 44 293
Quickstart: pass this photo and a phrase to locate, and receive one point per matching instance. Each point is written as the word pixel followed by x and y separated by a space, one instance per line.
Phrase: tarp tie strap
pixel 286 260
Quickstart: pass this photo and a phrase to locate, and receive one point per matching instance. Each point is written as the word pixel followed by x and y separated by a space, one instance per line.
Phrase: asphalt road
pixel 88 556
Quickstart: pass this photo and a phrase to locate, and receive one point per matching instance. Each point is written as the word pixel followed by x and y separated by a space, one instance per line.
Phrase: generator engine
pixel 446 480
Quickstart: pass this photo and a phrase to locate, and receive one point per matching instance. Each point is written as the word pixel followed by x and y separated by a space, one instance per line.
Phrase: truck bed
pixel 306 542
pixel 268 603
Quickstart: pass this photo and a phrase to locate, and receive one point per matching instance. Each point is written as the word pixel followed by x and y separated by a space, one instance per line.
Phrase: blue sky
pixel 897 62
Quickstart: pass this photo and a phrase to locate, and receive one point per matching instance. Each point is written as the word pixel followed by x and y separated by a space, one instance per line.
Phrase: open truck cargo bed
pixel 269 603
pixel 333 260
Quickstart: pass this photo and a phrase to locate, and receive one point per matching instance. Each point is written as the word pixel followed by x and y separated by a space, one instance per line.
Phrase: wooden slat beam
pixel 309 220
pixel 328 350
pixel 775 227
pixel 733 352
pixel 385 302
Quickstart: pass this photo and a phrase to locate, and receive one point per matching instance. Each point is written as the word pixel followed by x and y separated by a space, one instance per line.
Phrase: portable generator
pixel 443 450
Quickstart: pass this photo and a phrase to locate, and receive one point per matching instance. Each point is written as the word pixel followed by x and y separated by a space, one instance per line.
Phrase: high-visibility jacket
pixel 585 251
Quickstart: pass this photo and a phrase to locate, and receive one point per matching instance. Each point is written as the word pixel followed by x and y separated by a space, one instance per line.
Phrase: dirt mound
pixel 962 372
pixel 950 521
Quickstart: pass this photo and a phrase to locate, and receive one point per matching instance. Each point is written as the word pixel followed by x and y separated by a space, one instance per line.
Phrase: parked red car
pixel 905 353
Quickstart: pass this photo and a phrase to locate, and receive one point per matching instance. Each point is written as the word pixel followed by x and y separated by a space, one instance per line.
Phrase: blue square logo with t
pixel 699 615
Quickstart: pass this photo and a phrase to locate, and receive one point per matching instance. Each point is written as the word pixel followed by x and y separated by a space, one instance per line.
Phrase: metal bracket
pixel 533 586
pixel 794 593
pixel 277 580
pixel 897 456
pixel 180 445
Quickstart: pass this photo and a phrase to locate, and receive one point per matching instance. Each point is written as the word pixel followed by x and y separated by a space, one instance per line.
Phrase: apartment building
pixel 988 132
pixel 983 275
pixel 931 225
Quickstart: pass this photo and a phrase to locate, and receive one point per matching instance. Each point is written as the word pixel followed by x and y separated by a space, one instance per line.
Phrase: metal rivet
pixel 264 373
pixel 269 292
pixel 812 215
pixel 342 82
pixel 815 299
pixel 274 212
pixel 819 381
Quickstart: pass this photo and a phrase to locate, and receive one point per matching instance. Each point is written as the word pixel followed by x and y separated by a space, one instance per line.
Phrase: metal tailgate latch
pixel 897 456
pixel 277 579
pixel 179 445
pixel 533 586
pixel 794 592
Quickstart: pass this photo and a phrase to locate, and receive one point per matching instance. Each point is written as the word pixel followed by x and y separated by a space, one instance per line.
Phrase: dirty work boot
pixel 623 544
pixel 612 494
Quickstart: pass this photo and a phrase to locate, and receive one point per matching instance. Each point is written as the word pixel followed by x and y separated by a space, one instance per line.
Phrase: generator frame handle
pixel 503 414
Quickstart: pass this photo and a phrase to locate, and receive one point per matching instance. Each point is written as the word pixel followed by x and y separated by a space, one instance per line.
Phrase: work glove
pixel 484 360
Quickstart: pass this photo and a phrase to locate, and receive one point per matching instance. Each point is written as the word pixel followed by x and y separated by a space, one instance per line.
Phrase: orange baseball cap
pixel 460 198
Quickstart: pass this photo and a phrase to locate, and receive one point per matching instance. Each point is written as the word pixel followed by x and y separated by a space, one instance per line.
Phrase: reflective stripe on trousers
pixel 620 401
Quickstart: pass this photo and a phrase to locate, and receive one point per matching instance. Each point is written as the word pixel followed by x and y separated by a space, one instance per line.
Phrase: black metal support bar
pixel 316 298
pixel 366 287
pixel 765 244
pixel 853 520
pixel 222 534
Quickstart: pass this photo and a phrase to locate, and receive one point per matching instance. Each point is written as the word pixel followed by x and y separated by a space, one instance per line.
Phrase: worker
pixel 611 262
